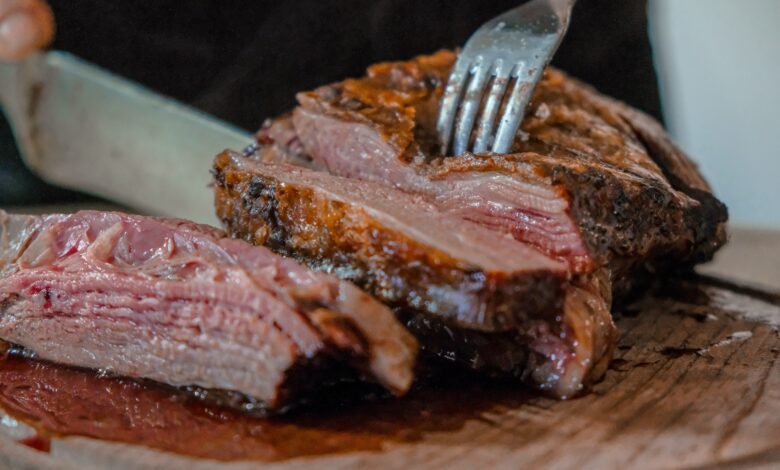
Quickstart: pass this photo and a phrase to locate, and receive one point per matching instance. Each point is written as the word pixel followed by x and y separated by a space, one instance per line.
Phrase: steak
pixel 591 186
pixel 500 304
pixel 588 180
pixel 180 303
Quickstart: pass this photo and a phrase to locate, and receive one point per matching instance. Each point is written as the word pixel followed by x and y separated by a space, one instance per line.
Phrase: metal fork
pixel 515 45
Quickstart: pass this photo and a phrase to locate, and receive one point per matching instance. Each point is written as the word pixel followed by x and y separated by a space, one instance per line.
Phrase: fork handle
pixel 561 9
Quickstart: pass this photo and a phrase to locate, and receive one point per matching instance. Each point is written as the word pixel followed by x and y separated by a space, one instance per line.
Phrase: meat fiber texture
pixel 504 263
pixel 180 303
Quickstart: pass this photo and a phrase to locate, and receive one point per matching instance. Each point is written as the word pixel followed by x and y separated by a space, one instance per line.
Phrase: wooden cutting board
pixel 695 383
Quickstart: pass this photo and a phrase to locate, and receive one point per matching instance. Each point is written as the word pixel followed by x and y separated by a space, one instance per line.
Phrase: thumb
pixel 25 25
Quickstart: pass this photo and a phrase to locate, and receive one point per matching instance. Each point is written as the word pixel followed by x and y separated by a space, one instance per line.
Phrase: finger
pixel 25 25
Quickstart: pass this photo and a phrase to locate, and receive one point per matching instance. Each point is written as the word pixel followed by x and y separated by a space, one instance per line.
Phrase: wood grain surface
pixel 695 383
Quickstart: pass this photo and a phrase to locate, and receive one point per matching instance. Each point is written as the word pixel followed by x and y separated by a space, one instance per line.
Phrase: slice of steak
pixel 182 304
pixel 589 180
pixel 471 295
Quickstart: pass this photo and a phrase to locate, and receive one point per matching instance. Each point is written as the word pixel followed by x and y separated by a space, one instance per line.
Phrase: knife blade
pixel 84 128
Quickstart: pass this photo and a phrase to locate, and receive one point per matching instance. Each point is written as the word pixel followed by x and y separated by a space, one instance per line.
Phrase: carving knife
pixel 81 127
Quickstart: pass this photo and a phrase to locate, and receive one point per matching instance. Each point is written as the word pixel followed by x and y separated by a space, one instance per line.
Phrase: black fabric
pixel 244 61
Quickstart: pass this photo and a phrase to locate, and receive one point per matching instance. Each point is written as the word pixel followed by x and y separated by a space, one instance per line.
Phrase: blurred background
pixel 708 69
pixel 718 63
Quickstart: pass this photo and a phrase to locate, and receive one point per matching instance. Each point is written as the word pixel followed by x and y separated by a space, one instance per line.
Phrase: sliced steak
pixel 486 300
pixel 589 183
pixel 589 180
pixel 182 304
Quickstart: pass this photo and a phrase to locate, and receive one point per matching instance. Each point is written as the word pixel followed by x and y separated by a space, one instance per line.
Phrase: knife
pixel 81 127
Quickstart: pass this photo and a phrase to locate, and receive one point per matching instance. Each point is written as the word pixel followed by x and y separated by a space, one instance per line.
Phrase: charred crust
pixel 707 221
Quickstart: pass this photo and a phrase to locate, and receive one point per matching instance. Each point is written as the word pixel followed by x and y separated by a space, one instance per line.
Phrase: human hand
pixel 25 25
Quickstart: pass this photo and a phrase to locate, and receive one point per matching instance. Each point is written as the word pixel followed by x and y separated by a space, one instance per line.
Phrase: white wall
pixel 719 71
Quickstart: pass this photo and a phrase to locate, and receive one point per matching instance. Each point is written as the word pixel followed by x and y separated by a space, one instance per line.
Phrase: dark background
pixel 244 61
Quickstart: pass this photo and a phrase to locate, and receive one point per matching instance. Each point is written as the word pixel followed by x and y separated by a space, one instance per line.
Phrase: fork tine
pixel 469 107
pixel 513 112
pixel 522 39
pixel 492 104
pixel 449 103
